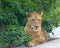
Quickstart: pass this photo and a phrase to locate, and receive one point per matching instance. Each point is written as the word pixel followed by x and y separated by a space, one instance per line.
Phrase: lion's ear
pixel 41 13
pixel 28 15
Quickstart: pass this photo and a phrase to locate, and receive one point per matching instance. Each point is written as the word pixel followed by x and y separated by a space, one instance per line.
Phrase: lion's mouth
pixel 35 29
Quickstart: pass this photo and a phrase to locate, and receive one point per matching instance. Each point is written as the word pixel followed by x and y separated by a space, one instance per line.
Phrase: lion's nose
pixel 36 27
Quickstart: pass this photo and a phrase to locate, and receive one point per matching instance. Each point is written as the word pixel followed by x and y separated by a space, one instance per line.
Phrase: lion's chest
pixel 35 35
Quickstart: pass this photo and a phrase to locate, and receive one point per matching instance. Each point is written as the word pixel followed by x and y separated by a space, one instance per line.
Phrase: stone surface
pixel 50 44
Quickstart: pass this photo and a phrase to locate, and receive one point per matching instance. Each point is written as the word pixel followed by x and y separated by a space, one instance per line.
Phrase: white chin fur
pixel 35 30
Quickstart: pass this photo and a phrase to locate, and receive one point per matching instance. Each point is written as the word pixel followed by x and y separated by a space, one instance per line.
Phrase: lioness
pixel 34 29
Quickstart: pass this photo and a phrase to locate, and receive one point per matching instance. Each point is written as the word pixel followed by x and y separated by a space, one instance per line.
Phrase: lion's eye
pixel 39 20
pixel 32 19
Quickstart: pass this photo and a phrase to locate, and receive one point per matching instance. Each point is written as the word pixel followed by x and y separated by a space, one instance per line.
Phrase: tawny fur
pixel 38 34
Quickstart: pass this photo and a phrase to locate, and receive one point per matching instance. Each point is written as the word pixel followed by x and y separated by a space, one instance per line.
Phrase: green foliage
pixel 15 35
pixel 13 18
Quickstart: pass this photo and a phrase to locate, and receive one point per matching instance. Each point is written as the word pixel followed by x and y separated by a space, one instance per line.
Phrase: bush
pixel 14 35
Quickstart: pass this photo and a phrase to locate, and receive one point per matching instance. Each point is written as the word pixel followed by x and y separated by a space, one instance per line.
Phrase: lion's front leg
pixel 35 42
pixel 32 43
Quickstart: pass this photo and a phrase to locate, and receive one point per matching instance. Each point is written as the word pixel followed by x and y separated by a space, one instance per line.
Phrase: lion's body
pixel 34 29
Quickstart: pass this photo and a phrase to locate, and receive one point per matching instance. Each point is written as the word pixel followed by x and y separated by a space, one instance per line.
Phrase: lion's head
pixel 34 20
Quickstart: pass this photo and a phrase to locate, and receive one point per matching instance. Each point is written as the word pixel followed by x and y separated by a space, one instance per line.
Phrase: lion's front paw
pixel 30 44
